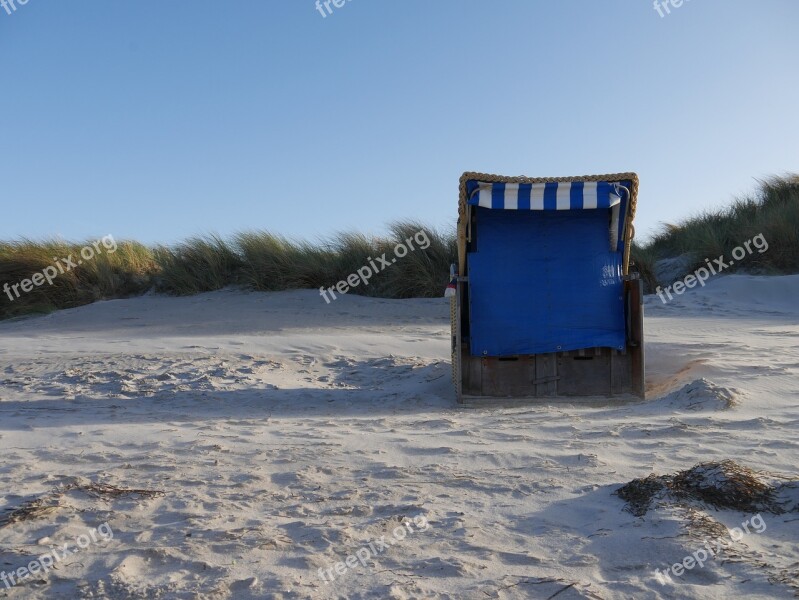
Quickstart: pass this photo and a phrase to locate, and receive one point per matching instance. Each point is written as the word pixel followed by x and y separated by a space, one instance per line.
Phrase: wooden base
pixel 578 401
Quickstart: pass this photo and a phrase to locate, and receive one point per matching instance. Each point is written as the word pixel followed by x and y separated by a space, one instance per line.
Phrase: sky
pixel 160 120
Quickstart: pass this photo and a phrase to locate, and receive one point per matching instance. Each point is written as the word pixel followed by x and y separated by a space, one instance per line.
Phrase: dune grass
pixel 200 264
pixel 127 271
pixel 264 261
pixel 257 260
pixel 261 260
pixel 772 210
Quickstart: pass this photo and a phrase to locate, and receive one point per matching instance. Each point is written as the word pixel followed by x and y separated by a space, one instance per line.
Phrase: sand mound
pixel 702 394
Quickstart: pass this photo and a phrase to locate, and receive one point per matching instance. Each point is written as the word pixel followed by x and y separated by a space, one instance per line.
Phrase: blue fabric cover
pixel 544 281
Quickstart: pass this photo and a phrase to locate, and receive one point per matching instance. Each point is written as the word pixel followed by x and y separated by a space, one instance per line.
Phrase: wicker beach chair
pixel 542 301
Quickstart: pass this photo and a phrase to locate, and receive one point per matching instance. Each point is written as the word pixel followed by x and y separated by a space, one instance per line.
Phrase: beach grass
pixel 771 211
pixel 128 271
pixel 258 260
pixel 266 261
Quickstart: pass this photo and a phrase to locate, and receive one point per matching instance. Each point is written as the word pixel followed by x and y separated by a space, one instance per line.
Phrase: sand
pixel 280 435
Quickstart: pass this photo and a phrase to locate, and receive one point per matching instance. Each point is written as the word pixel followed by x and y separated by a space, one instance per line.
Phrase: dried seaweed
pixel 722 485
pixel 32 509
pixel 103 490
pixel 639 493
pixel 49 502
pixel 726 484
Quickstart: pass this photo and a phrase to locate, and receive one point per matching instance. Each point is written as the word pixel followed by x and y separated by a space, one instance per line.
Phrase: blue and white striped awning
pixel 577 195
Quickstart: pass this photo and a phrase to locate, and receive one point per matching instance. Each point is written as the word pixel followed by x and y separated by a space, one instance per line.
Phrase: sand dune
pixel 279 435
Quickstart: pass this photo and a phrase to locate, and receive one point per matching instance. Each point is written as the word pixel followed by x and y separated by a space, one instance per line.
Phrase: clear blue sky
pixel 163 119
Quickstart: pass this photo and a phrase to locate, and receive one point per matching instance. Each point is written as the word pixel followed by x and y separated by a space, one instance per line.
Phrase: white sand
pixel 286 433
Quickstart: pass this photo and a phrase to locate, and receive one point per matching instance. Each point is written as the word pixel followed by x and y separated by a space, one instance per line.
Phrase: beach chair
pixel 542 301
